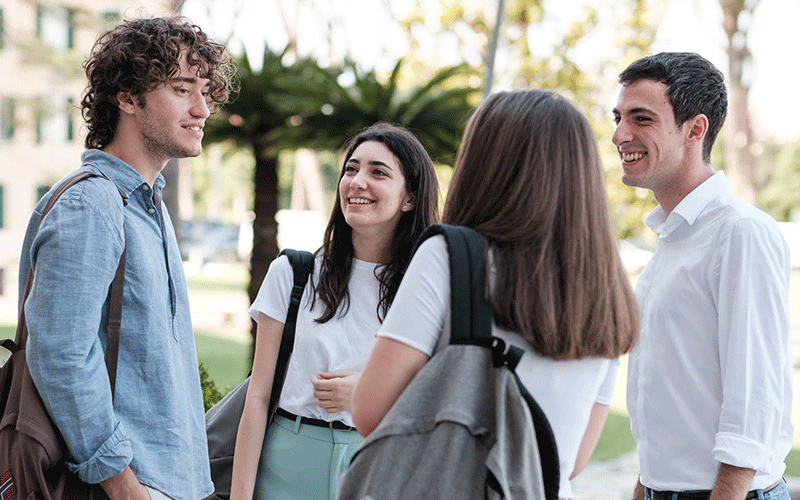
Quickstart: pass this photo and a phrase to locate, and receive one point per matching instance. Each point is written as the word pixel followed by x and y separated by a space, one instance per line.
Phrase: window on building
pixel 6 118
pixel 2 30
pixel 2 207
pixel 2 281
pixel 70 118
pixel 111 17
pixel 54 120
pixel 55 26
pixel 41 191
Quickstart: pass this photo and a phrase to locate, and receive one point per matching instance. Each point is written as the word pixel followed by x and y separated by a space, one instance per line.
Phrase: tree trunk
pixel 265 227
pixel 739 161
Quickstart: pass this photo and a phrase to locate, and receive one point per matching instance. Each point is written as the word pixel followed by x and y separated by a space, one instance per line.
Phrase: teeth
pixel 194 128
pixel 632 156
pixel 359 201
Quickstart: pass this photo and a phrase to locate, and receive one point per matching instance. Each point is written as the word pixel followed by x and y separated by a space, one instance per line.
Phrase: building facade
pixel 43 44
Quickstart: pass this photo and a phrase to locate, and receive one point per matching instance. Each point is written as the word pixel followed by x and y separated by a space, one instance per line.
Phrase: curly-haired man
pixel 151 84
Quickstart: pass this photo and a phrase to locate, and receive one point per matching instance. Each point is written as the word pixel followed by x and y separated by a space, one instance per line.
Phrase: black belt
pixel 701 494
pixel 335 425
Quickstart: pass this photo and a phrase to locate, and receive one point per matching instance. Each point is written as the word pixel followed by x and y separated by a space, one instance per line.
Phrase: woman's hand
pixel 334 390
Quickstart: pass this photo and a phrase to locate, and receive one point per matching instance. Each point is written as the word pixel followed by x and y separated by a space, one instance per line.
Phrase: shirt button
pixel 151 210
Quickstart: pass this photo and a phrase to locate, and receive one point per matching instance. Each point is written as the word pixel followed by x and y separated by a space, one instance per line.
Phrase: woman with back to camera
pixel 387 196
pixel 528 179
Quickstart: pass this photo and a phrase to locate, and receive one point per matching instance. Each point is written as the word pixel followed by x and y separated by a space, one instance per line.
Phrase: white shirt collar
pixel 690 206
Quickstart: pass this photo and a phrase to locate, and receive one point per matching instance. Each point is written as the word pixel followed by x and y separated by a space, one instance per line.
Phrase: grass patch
pixel 616 438
pixel 7 331
pixel 793 463
pixel 206 284
pixel 227 361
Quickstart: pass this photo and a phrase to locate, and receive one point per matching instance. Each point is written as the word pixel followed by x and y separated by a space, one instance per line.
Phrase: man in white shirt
pixel 710 381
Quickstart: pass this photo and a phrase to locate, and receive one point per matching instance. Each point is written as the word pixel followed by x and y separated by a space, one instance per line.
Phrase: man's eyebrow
pixel 634 111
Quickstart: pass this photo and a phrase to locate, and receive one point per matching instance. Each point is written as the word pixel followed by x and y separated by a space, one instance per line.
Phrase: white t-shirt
pixel 566 390
pixel 342 343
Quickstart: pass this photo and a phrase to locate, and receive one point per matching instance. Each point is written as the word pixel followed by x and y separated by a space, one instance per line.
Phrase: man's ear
pixel 697 129
pixel 126 102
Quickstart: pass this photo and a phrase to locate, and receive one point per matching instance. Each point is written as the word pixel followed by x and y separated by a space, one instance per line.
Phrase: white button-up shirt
pixel 710 380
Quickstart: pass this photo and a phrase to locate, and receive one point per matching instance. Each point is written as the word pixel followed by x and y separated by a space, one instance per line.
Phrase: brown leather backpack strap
pixel 115 319
pixel 21 336
pixel 66 185
pixel 117 287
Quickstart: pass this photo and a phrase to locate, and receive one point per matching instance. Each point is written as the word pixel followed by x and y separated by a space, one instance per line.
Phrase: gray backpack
pixel 465 427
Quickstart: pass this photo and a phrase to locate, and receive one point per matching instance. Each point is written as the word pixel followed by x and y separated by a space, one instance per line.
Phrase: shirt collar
pixel 123 175
pixel 690 206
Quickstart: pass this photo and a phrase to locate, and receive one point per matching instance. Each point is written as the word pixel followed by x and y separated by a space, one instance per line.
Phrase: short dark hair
pixel 136 56
pixel 337 247
pixel 694 86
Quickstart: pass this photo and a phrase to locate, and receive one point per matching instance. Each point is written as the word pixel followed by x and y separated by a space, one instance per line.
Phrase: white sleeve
pixel 276 289
pixel 753 343
pixel 605 394
pixel 417 315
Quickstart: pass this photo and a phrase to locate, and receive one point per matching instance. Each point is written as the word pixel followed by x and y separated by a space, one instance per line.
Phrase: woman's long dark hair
pixel 337 247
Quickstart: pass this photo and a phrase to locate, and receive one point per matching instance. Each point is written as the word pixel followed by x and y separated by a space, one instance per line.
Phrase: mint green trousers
pixel 300 461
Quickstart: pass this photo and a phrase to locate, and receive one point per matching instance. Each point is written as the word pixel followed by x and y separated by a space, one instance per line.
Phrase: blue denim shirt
pixel 156 423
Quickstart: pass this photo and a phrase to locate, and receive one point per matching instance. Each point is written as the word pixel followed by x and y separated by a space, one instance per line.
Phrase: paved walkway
pixel 611 480
pixel 615 479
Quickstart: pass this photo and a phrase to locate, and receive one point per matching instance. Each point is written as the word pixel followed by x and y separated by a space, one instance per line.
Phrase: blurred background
pixel 314 72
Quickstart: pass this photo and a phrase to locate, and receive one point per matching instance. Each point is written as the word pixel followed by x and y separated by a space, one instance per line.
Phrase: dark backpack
pixel 465 427
pixel 222 421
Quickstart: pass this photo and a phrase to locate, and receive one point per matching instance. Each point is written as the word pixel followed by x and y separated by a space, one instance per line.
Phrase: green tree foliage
pixel 435 111
pixel 780 195
pixel 558 68
pixel 211 393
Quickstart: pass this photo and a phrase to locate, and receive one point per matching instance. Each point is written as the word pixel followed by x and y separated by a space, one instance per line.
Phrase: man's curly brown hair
pixel 136 57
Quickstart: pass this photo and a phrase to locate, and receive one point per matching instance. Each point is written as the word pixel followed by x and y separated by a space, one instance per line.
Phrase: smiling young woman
pixel 387 196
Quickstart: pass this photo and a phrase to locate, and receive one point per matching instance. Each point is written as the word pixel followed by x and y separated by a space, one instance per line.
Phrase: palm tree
pixel 256 118
pixel 435 112
pixel 303 105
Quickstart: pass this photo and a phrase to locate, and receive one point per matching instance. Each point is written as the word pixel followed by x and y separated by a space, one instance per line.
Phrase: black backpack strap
pixel 303 265
pixel 471 314
pixel 548 451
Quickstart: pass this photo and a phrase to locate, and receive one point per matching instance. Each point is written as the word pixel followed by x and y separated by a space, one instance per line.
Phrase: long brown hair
pixel 337 247
pixel 528 178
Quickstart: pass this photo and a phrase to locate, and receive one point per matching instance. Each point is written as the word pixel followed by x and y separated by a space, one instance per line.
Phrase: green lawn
pixel 7 331
pixel 616 438
pixel 217 284
pixel 227 362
